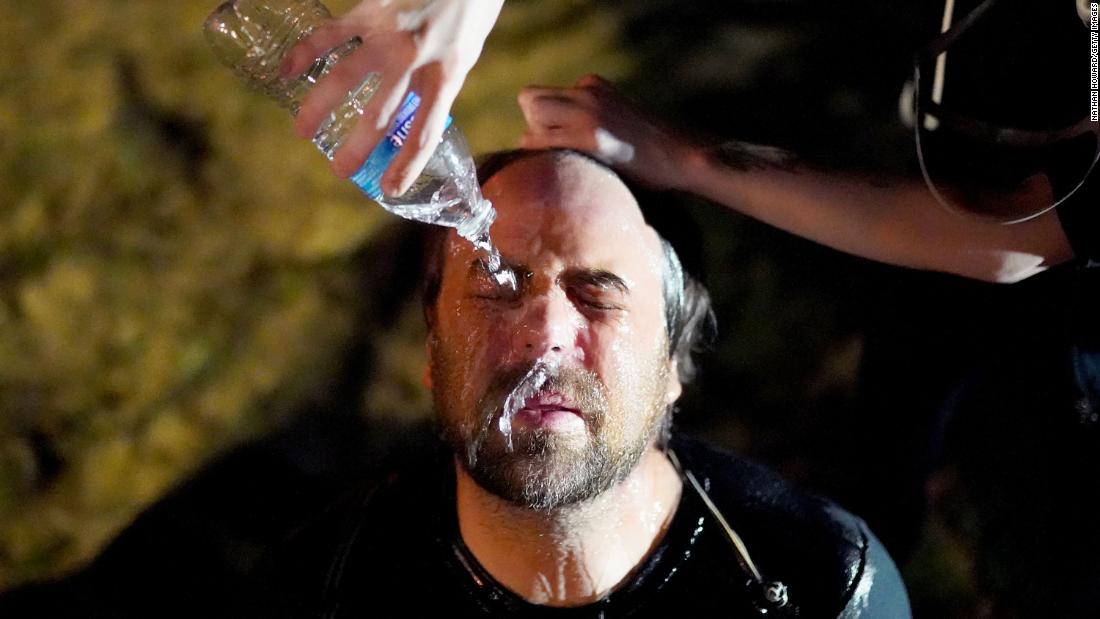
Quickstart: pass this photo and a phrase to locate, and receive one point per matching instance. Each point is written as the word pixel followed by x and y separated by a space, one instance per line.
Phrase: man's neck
pixel 574 555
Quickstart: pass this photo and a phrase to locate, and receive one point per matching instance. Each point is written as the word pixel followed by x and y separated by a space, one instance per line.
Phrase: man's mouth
pixel 550 410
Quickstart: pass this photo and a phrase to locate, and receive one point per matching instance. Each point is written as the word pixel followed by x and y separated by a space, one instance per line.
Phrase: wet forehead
pixel 566 208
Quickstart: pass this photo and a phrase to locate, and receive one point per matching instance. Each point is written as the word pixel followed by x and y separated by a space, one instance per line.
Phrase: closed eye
pixel 602 306
pixel 597 299
pixel 597 289
pixel 490 291
pixel 483 285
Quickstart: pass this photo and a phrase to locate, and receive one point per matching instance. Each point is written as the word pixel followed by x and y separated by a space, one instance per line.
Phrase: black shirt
pixel 396 551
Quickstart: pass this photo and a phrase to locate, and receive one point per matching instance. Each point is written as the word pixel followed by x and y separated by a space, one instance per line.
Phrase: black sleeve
pixel 1080 218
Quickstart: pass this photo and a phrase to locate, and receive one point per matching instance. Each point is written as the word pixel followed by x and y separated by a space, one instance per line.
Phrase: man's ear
pixel 675 387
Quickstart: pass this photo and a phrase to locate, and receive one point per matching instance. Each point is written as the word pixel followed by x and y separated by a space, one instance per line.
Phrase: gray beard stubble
pixel 544 471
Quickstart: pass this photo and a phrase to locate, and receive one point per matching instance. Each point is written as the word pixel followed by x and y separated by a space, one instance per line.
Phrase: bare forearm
pixel 895 221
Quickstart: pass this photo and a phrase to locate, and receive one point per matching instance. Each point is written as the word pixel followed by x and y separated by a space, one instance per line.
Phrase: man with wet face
pixel 587 319
pixel 563 491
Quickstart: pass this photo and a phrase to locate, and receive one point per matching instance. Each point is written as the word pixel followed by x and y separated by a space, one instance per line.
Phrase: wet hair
pixel 689 320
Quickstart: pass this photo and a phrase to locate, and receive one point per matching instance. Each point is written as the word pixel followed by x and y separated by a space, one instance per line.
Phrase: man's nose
pixel 549 326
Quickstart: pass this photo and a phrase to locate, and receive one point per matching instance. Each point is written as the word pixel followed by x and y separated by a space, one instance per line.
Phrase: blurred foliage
pixel 177 268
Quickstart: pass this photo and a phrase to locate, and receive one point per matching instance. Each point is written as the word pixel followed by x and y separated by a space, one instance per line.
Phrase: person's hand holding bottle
pixel 427 47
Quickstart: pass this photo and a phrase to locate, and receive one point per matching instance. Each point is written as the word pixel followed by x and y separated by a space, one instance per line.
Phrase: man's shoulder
pixel 825 555
pixel 753 490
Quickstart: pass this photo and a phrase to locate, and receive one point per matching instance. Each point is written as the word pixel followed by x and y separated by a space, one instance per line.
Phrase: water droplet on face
pixel 471 452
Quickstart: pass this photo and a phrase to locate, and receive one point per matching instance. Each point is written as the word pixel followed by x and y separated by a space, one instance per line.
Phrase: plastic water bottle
pixel 253 37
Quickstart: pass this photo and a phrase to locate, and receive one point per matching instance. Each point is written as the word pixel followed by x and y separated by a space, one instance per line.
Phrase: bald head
pixel 560 201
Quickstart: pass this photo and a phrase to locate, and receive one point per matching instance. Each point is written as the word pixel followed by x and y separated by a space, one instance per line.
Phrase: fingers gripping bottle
pixel 253 37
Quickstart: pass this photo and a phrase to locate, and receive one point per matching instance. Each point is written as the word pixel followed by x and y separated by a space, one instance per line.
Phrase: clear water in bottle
pixel 253 37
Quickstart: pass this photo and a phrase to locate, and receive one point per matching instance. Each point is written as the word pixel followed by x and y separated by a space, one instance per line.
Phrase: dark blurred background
pixel 204 335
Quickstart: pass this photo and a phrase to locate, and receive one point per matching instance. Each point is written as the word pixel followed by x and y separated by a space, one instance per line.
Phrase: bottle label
pixel 369 176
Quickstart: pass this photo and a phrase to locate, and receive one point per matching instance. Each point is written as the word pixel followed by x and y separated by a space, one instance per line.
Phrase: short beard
pixel 545 471
pixel 545 475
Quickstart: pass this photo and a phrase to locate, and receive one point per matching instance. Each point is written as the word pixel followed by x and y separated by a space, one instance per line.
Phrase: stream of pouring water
pixel 528 386
pixel 504 276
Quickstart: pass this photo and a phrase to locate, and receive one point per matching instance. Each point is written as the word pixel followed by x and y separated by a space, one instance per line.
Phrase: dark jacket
pixel 394 551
